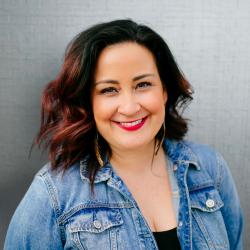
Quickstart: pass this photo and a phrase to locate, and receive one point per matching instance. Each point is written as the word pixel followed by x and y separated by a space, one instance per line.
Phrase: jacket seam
pixel 201 241
pixel 219 174
pixel 105 226
pixel 189 150
pixel 42 172
pixel 189 207
pixel 208 184
pixel 78 242
pixel 55 204
pixel 136 226
pixel 63 218
pixel 120 237
pixel 202 227
pixel 212 209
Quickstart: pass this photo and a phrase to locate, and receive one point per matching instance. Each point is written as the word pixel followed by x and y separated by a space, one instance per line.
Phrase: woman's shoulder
pixel 208 163
pixel 192 151
pixel 207 157
pixel 199 149
pixel 47 172
pixel 62 185
pixel 211 162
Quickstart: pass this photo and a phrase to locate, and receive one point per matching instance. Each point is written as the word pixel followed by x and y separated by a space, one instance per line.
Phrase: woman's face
pixel 127 97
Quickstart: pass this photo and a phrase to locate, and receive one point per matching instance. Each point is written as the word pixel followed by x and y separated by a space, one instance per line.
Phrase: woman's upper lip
pixel 130 121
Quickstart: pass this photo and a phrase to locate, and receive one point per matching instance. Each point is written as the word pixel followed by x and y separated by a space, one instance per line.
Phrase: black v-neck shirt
pixel 167 240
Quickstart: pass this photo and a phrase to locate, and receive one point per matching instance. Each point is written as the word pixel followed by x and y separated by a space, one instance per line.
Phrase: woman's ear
pixel 165 96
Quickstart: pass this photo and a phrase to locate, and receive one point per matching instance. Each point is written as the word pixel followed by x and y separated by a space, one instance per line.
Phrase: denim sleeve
pixel 231 210
pixel 33 225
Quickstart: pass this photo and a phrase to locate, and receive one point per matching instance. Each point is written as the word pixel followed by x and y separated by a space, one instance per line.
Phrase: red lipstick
pixel 130 127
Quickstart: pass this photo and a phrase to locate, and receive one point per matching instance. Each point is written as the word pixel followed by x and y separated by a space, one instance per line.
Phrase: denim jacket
pixel 60 213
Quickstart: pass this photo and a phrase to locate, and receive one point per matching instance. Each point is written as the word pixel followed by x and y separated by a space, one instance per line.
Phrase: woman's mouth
pixel 133 125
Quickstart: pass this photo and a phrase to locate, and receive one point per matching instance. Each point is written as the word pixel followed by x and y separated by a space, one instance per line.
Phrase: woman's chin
pixel 132 145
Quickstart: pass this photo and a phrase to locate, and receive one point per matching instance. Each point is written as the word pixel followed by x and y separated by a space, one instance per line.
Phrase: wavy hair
pixel 67 120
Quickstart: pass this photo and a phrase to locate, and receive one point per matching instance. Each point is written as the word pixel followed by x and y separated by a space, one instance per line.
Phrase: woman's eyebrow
pixel 116 82
pixel 107 81
pixel 142 76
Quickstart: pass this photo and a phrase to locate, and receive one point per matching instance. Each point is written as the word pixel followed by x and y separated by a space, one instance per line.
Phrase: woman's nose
pixel 129 106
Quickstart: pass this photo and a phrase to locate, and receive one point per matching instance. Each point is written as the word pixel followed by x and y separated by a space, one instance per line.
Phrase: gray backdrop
pixel 210 40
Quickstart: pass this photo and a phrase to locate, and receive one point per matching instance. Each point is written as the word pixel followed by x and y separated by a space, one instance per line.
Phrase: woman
pixel 121 176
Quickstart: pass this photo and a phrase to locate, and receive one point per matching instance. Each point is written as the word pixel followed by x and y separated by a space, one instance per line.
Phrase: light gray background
pixel 210 40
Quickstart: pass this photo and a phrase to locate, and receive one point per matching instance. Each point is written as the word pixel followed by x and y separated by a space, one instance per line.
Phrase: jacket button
pixel 97 224
pixel 210 203
pixel 180 224
pixel 175 168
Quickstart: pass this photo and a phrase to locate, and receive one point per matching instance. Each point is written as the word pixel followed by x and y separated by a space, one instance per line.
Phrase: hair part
pixel 67 120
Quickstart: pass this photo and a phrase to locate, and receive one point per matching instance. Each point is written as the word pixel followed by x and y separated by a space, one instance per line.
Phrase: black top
pixel 167 240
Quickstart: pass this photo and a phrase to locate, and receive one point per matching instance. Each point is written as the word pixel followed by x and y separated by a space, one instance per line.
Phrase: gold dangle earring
pixel 97 149
pixel 162 139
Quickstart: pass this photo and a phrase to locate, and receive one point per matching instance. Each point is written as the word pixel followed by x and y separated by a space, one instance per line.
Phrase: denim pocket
pixel 96 228
pixel 208 227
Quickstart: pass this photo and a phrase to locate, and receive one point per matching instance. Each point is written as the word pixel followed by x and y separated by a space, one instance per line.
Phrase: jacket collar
pixel 103 174
pixel 176 150
pixel 180 153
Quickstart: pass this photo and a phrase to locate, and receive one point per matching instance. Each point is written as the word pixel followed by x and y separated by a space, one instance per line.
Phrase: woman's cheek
pixel 103 108
pixel 154 103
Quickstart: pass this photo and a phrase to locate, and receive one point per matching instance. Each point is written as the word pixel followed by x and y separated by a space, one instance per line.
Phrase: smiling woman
pixel 120 174
pixel 133 99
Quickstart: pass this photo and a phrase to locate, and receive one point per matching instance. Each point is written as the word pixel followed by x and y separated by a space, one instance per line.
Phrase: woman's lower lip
pixel 132 128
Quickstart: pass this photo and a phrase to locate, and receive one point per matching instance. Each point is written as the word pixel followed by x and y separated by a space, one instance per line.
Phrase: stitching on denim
pixel 63 218
pixel 93 228
pixel 113 222
pixel 189 150
pixel 137 228
pixel 215 244
pixel 117 215
pixel 40 173
pixel 111 232
pixel 202 227
pixel 71 239
pixel 113 238
pixel 198 234
pixel 208 184
pixel 189 208
pixel 206 242
pixel 119 232
pixel 78 242
pixel 74 238
pixel 83 174
pixel 72 212
pixel 211 209
pixel 219 178
pixel 74 247
pixel 52 194
pixel 55 204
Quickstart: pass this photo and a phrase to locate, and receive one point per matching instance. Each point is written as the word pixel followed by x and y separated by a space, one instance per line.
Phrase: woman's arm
pixel 231 210
pixel 33 225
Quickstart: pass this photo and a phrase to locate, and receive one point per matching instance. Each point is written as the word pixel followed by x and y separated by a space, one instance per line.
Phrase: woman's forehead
pixel 126 58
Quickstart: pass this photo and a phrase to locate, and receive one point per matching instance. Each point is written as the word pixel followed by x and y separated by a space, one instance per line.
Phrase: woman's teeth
pixel 130 123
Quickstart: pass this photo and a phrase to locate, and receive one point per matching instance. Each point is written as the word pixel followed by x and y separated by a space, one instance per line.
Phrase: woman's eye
pixel 143 84
pixel 108 90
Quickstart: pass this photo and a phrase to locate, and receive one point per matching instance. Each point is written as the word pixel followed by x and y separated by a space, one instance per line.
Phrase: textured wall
pixel 210 40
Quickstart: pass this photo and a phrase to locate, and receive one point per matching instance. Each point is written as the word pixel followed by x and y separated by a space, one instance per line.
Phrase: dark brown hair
pixel 67 120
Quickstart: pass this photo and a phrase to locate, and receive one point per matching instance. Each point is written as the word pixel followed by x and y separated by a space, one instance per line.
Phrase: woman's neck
pixel 136 162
